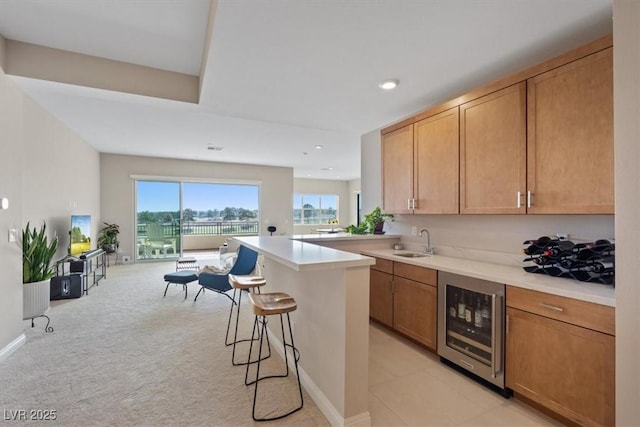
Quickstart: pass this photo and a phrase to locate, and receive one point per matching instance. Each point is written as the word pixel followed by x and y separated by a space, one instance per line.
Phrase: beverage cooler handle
pixel 496 345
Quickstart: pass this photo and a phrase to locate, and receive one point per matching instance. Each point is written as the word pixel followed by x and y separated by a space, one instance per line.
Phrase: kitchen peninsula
pixel 331 325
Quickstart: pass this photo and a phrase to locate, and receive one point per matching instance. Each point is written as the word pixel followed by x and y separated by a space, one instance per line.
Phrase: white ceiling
pixel 286 75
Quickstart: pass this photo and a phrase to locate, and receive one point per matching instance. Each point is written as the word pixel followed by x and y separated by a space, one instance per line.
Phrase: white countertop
pixel 509 275
pixel 303 256
pixel 342 236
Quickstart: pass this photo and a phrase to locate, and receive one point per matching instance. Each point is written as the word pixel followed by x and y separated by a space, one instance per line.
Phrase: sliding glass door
pixel 174 217
pixel 158 224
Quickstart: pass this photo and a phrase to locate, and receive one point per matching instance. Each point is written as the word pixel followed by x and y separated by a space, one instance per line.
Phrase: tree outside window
pixel 315 209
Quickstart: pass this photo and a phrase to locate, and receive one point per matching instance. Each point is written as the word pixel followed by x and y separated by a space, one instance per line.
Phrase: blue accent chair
pixel 245 264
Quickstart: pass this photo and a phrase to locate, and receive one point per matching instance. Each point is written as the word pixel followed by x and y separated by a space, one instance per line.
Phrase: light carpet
pixel 125 355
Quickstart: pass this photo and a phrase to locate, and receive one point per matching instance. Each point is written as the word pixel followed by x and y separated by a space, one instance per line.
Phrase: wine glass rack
pixel 586 262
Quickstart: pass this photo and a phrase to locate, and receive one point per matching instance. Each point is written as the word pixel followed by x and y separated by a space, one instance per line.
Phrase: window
pixel 180 213
pixel 314 209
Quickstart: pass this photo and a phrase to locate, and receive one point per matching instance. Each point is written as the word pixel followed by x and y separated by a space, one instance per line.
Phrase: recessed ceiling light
pixel 319 147
pixel 326 169
pixel 214 147
pixel 389 84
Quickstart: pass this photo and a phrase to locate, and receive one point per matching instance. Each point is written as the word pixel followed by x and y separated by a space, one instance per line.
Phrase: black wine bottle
pixel 604 264
pixel 453 307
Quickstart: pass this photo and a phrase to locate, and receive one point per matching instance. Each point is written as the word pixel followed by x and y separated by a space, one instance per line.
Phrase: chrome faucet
pixel 427 249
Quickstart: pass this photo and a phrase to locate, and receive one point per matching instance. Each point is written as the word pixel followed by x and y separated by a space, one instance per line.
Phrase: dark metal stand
pixel 202 289
pixel 47 328
pixel 235 335
pixel 258 379
pixel 184 288
pixel 92 266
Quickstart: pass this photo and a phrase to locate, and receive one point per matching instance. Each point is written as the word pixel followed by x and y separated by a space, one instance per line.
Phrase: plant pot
pixel 109 248
pixel 378 228
pixel 35 299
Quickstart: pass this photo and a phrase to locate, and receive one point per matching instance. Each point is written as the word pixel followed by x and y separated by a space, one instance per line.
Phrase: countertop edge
pixel 509 275
pixel 291 254
pixel 341 237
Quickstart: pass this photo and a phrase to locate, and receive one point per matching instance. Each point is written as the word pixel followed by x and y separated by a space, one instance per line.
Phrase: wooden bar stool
pixel 270 304
pixel 250 284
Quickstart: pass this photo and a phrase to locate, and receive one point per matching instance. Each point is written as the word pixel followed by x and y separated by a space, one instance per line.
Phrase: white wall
pixel 60 177
pixel 354 189
pixel 47 172
pixel 324 186
pixel 370 171
pixel 117 188
pixel 11 124
pixel 626 68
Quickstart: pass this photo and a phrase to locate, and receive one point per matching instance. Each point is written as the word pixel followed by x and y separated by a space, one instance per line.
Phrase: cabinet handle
pixel 465 363
pixel 494 331
pixel 413 204
pixel 528 199
pixel 507 326
pixel 552 307
pixel 409 204
pixel 518 204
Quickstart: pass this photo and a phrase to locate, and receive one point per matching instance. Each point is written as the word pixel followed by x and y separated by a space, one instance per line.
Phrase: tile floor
pixel 408 386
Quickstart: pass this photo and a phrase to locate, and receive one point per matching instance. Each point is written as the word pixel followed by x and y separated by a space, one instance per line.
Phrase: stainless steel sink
pixel 411 255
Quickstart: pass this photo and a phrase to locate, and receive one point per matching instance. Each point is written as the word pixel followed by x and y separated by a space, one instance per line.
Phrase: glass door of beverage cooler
pixel 471 325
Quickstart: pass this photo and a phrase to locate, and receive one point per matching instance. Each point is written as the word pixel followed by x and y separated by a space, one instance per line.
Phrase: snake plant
pixel 37 253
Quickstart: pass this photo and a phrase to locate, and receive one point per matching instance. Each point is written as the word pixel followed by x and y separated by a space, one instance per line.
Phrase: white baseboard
pixel 323 403
pixel 10 348
pixel 360 420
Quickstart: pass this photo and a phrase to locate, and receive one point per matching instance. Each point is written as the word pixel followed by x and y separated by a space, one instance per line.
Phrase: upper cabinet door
pixel 570 137
pixel 397 170
pixel 436 163
pixel 493 153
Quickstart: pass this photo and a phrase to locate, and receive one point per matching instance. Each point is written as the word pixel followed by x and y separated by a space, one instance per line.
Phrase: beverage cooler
pixel 471 326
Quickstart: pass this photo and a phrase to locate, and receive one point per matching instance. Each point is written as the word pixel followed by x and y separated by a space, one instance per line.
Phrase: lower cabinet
pixel 381 297
pixel 554 360
pixel 414 310
pixel 404 297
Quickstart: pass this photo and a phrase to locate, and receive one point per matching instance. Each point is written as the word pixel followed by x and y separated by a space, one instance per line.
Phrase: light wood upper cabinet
pixel 493 153
pixel 539 142
pixel 570 137
pixel 436 164
pixel 397 170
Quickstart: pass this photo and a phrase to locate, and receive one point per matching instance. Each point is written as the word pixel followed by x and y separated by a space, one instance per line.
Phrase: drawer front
pixel 384 265
pixel 413 272
pixel 581 313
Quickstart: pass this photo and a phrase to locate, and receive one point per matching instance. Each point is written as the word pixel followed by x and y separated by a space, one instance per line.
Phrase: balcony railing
pixel 206 228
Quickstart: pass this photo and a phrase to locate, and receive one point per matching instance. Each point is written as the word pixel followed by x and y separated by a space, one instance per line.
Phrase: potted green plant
pixel 375 220
pixel 108 237
pixel 356 229
pixel 372 223
pixel 37 269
